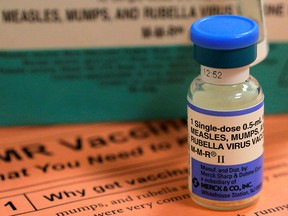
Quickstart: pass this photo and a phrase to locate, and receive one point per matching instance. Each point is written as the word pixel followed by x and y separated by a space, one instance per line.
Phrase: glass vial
pixel 225 115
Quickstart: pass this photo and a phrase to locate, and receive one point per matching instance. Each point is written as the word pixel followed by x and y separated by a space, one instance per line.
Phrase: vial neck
pixel 225 76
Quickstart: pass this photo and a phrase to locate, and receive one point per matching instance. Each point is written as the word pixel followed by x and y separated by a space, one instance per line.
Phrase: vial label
pixel 225 152
pixel 227 76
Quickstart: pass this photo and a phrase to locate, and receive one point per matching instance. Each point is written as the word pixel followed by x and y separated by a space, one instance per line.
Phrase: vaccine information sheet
pixel 136 168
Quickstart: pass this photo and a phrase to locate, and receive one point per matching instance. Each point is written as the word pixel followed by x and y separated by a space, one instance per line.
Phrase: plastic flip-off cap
pixel 224 41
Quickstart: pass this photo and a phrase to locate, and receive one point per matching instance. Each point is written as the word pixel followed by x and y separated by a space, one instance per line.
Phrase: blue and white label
pixel 226 152
pixel 227 182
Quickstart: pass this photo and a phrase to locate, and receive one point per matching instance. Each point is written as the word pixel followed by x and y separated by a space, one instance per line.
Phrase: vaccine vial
pixel 225 115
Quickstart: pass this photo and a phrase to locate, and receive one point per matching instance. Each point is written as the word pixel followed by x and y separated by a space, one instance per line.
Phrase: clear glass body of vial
pixel 223 97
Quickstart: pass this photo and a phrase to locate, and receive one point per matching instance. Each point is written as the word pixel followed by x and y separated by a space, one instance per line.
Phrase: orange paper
pixel 105 169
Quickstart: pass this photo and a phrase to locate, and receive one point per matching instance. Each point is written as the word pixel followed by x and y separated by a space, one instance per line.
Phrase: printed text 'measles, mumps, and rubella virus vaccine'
pixel 225 115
